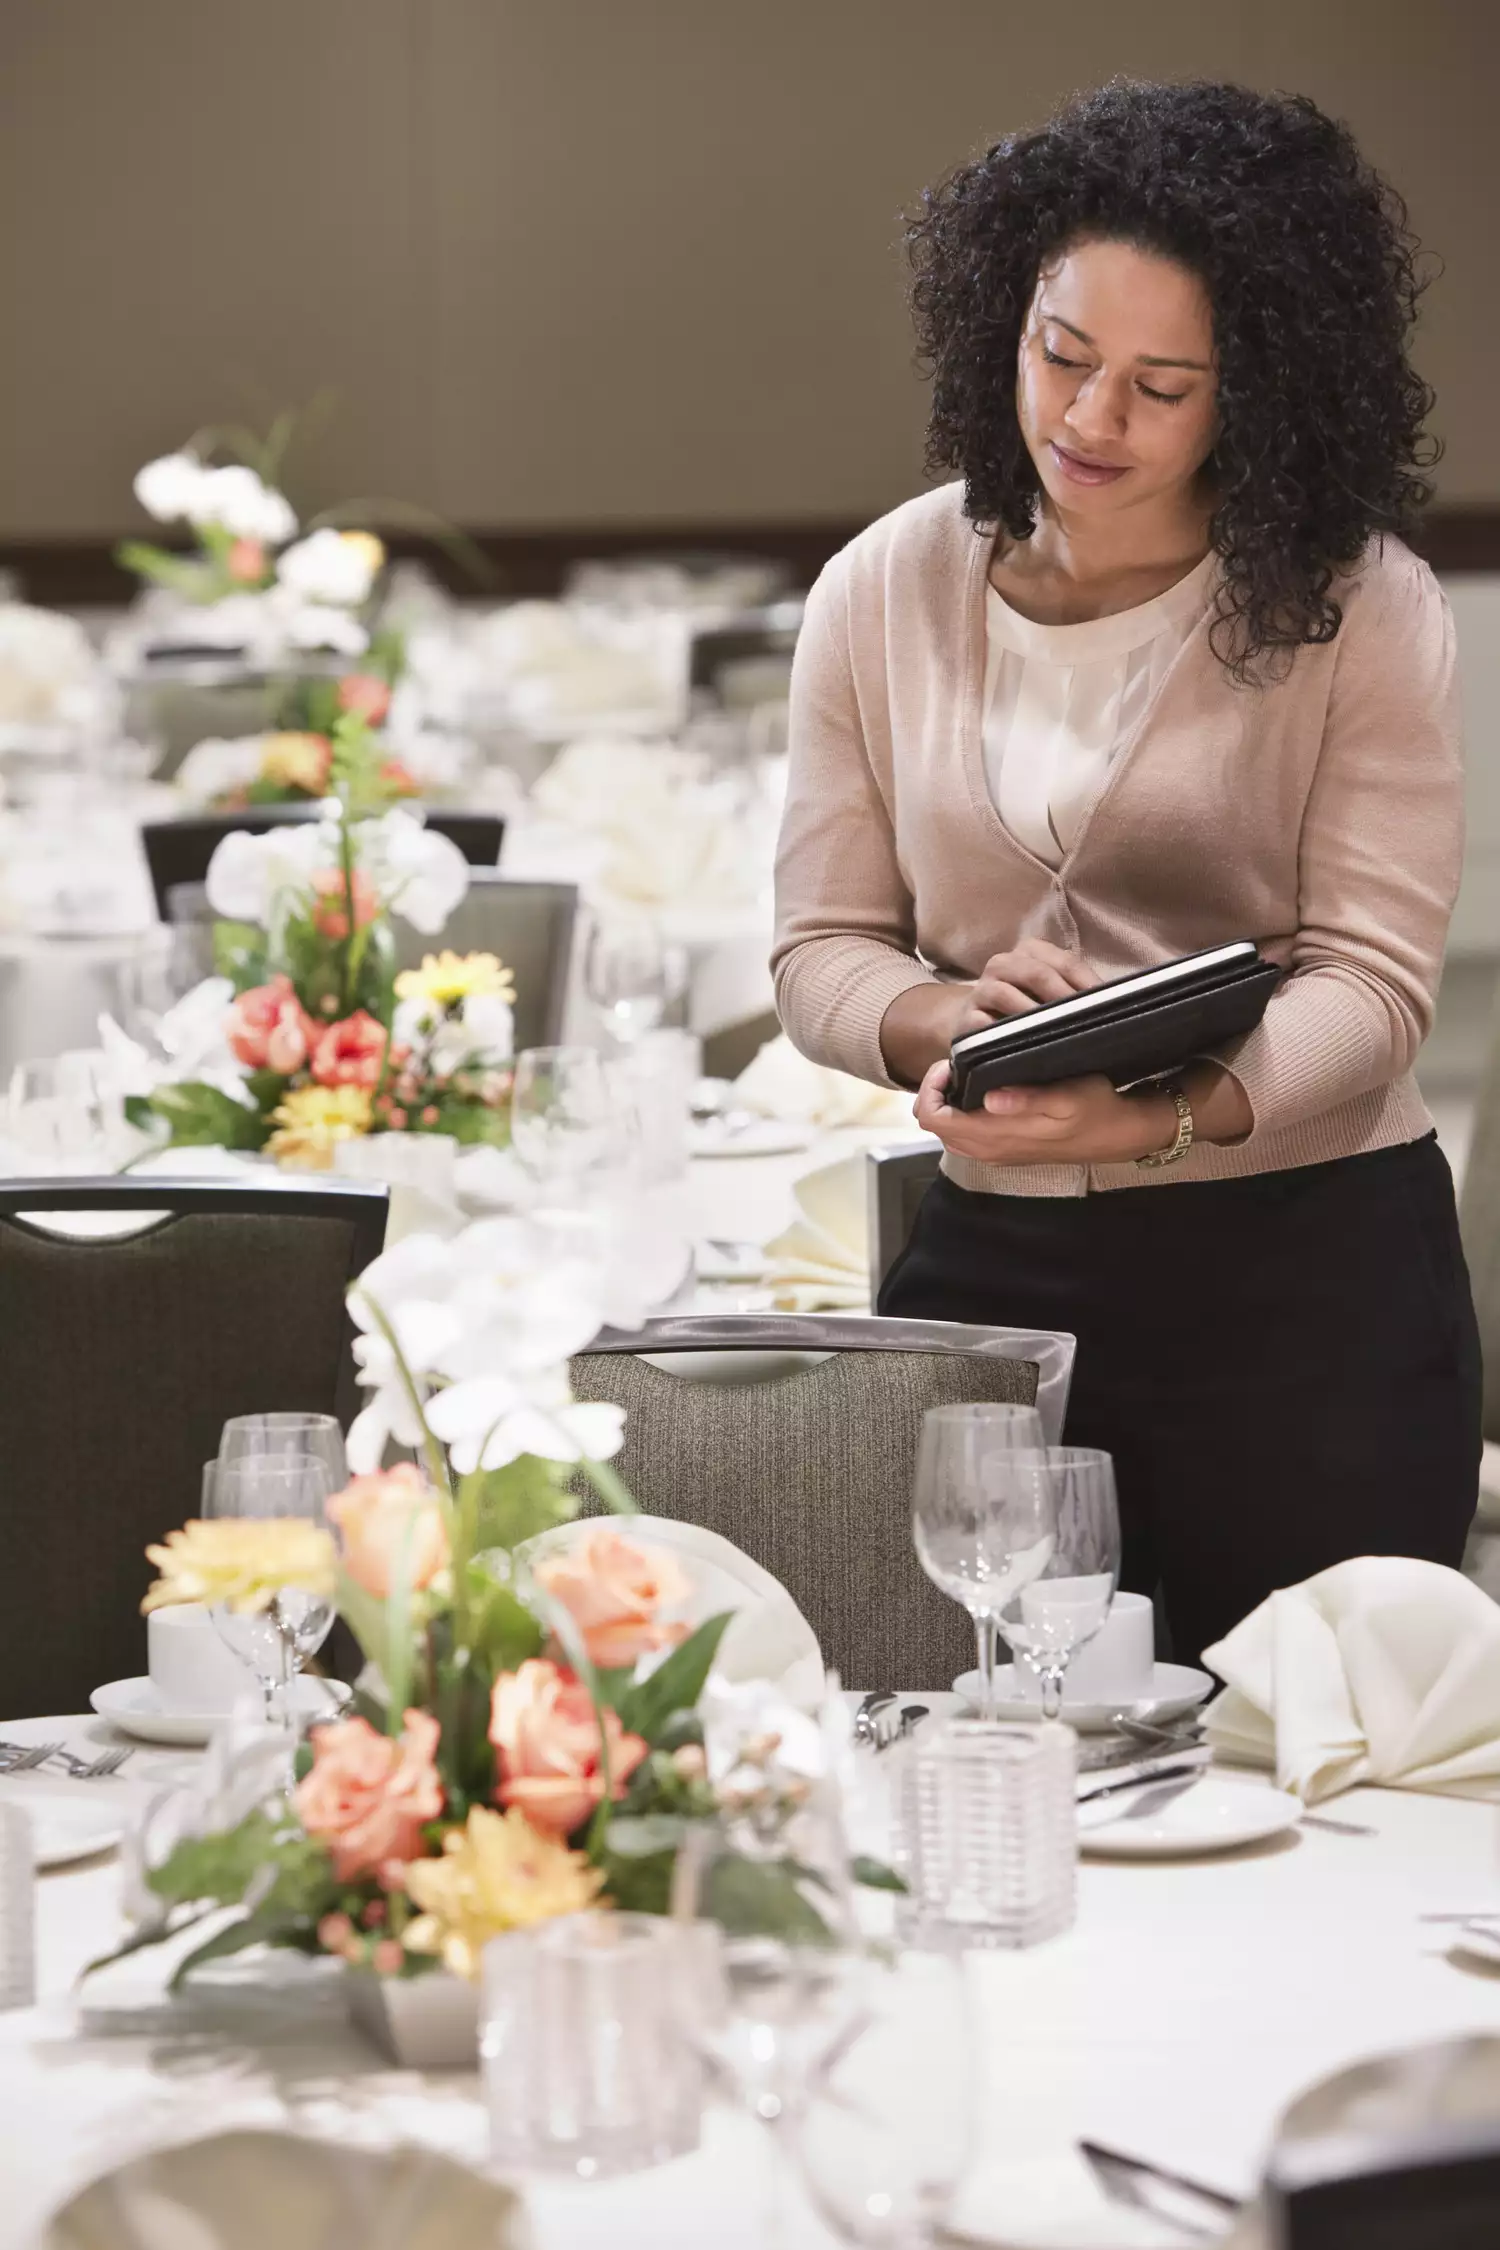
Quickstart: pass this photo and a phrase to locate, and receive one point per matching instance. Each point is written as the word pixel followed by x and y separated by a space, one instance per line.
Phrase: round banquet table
pixel 1189 2003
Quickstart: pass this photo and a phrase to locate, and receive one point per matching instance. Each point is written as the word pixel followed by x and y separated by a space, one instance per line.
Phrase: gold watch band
pixel 1184 1140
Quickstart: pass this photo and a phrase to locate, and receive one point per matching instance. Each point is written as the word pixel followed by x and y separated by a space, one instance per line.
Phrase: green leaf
pixel 514 1503
pixel 151 1933
pixel 259 1928
pixel 204 1117
pixel 240 954
pixel 503 1631
pixel 610 1487
pixel 220 1867
pixel 641 1836
pixel 874 1875
pixel 364 1614
pixel 675 1685
pixel 761 1898
pixel 639 1886
pixel 189 575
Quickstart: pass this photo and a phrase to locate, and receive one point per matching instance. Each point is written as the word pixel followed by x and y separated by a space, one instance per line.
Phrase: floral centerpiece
pixel 527 1736
pixel 322 1039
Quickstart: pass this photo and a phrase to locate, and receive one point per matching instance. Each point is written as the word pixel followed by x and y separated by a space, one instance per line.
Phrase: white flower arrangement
pixel 179 488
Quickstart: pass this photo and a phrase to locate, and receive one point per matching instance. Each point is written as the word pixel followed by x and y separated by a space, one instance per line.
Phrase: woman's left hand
pixel 1076 1121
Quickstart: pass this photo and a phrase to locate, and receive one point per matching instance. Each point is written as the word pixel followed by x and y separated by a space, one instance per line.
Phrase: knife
pixel 1192 1761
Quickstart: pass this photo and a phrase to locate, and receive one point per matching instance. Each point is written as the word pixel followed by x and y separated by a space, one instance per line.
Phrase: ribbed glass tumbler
pixel 986 1834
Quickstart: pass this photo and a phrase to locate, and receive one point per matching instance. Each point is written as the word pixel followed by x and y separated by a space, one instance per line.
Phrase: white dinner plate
pixel 1214 1814
pixel 768 1136
pixel 135 1707
pixel 1175 1688
pixel 62 1831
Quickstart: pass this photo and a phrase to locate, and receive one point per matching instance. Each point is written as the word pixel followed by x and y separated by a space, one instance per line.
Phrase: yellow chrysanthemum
pixel 243 1561
pixel 311 1122
pixel 296 761
pixel 448 977
pixel 365 544
pixel 497 1873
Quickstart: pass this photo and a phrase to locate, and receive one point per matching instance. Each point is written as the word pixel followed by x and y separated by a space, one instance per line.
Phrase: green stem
pixel 346 863
pixel 437 1466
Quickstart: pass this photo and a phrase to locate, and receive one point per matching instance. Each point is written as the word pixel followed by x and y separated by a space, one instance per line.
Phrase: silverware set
pixel 882 1719
pixel 26 1757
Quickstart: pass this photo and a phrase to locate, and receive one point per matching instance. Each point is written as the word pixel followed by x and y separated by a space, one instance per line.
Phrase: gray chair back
pixel 530 925
pixel 1479 1221
pixel 896 1179
pixel 121 1358
pixel 179 850
pixel 807 1464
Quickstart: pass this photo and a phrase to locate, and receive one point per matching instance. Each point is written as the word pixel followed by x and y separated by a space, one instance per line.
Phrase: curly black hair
pixel 1313 276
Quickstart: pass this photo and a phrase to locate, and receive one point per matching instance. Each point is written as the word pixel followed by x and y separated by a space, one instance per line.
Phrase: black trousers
pixel 1285 1367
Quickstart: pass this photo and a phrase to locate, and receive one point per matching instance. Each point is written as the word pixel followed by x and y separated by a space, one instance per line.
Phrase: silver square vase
pixel 429 2022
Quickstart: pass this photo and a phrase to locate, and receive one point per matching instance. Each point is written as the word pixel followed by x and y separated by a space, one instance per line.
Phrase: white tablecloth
pixel 1190 2003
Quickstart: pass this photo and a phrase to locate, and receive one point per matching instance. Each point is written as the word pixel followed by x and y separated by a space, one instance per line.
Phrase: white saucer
pixel 768 1136
pixel 135 1707
pixel 1213 1814
pixel 62 1831
pixel 1175 1688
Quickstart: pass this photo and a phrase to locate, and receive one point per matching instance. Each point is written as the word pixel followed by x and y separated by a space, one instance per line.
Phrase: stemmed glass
pixel 782 1964
pixel 562 1118
pixel 984 1514
pixel 287 1436
pixel 888 2127
pixel 629 975
pixel 57 1114
pixel 1049 1619
pixel 276 1642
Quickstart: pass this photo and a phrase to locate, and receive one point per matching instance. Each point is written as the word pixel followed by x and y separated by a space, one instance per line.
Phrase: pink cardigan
pixel 1320 814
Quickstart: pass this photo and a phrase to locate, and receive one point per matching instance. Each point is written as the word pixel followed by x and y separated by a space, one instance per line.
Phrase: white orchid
pixel 336 567
pixel 484 1323
pixel 235 500
pixel 318 626
pixel 171 487
pixel 420 875
pixel 249 874
pixel 482 1032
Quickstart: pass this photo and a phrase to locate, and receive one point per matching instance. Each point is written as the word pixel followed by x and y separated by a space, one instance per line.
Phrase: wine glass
pixel 627 974
pixel 57 1114
pixel 1048 1620
pixel 888 2126
pixel 781 1963
pixel 984 1513
pixel 276 1642
pixel 562 1120
pixel 288 1436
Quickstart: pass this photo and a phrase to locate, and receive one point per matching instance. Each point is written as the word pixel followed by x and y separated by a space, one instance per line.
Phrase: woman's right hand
pixel 1029 975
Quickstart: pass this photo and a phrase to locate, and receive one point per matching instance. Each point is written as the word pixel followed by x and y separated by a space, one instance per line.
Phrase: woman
pixel 1155 673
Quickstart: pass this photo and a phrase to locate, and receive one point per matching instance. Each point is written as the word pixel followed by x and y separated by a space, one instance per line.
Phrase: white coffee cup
pixel 1116 1667
pixel 192 1669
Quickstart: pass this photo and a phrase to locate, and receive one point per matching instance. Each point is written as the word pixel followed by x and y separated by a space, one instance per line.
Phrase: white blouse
pixel 1060 699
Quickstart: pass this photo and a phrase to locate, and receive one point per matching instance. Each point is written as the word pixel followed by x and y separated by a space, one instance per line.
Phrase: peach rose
pixel 349 1052
pixel 546 1731
pixel 246 562
pixel 368 697
pixel 399 779
pixel 368 1797
pixel 269 1029
pixel 330 913
pixel 382 1518
pixel 614 1593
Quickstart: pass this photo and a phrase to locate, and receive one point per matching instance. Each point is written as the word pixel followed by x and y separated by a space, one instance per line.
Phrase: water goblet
pixel 1048 1620
pixel 984 1513
pixel 287 1436
pixel 627 975
pixel 275 1642
pixel 562 1116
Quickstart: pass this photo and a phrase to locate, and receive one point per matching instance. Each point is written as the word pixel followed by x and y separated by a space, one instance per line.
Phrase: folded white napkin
pixel 770 1639
pixel 821 1262
pixel 782 1083
pixel 667 833
pixel 1383 1670
pixel 242 2190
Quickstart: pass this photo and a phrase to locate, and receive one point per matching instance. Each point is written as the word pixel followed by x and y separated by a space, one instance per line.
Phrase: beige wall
pixel 592 261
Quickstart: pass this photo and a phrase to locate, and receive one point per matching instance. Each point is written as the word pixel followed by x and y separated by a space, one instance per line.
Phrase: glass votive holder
pixel 588 2065
pixel 986 1834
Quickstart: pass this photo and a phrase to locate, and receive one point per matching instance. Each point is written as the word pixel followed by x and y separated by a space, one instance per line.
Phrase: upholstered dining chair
pixel 796 1438
pixel 896 1179
pixel 122 1355
pixel 530 925
pixel 179 850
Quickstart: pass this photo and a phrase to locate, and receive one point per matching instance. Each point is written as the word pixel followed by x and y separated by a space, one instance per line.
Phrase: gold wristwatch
pixel 1184 1140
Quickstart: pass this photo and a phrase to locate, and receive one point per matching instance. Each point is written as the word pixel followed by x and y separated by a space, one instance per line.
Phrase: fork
pixel 21 1757
pixel 101 1768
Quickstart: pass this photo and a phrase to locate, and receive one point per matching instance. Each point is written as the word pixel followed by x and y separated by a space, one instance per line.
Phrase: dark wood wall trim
pixel 67 572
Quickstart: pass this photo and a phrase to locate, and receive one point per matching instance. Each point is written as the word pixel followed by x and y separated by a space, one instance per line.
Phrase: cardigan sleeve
pixel 845 943
pixel 1380 856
